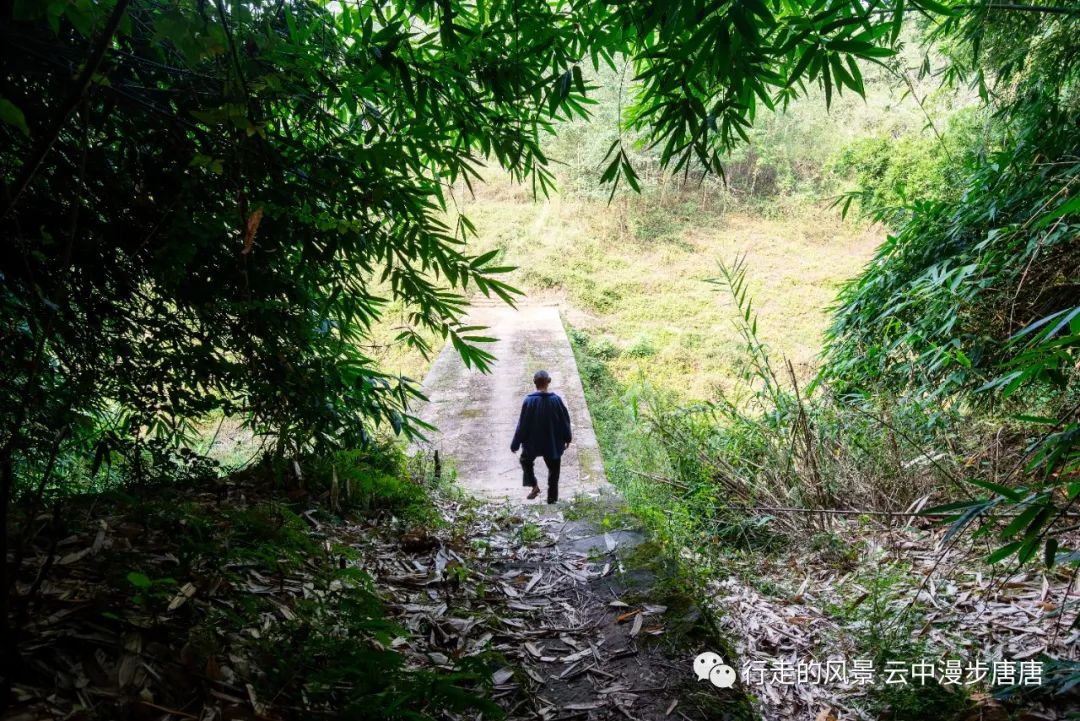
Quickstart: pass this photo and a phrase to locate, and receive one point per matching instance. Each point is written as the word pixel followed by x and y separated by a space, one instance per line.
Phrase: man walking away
pixel 543 430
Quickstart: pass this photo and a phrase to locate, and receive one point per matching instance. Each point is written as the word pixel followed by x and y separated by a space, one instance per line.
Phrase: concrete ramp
pixel 476 413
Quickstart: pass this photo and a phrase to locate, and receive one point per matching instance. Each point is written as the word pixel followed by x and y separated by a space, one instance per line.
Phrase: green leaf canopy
pixel 207 205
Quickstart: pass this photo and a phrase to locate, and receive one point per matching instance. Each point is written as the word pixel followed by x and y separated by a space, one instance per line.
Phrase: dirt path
pixel 577 622
pixel 590 615
pixel 476 413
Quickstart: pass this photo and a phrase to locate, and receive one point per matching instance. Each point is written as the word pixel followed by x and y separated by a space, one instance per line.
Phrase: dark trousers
pixel 529 477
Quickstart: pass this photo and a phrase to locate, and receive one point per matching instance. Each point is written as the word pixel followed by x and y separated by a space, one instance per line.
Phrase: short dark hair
pixel 541 378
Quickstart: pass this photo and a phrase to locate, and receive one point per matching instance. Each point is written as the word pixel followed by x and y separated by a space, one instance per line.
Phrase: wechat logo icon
pixel 710 666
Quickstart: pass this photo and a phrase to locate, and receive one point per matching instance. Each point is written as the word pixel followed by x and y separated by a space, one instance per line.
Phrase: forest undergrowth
pixel 367 588
pixel 819 265
pixel 195 595
pixel 808 530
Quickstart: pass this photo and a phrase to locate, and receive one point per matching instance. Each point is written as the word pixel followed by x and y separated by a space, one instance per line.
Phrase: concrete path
pixel 476 413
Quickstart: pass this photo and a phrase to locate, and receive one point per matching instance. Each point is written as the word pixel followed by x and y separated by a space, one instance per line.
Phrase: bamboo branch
pixel 1017 7
pixel 33 165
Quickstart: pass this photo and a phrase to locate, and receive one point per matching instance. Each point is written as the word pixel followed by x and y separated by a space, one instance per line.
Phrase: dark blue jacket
pixel 544 426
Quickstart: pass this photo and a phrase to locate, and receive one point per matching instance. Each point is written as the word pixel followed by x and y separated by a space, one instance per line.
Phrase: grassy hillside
pixel 633 275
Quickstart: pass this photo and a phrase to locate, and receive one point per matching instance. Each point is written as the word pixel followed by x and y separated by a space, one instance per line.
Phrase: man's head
pixel 542 379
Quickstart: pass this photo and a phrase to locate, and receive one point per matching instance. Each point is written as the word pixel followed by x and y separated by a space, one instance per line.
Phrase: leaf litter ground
pixel 175 609
pixel 592 624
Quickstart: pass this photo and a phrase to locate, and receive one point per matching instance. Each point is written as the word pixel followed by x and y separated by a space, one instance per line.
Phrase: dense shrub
pixel 893 170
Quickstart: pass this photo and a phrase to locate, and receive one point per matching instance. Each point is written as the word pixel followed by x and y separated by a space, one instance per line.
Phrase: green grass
pixel 529 532
pixel 633 276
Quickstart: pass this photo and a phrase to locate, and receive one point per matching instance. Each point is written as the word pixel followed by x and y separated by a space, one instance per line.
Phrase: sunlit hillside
pixel 634 275
pixel 632 272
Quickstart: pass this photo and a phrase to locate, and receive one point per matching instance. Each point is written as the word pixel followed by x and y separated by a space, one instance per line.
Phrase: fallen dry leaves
pixel 558 610
pixel 959 607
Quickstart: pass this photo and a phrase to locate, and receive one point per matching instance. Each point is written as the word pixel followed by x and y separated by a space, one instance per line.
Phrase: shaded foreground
pixel 227 602
pixel 588 623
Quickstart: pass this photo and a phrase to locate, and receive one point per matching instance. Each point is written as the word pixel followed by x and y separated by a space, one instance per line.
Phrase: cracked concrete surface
pixel 476 413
